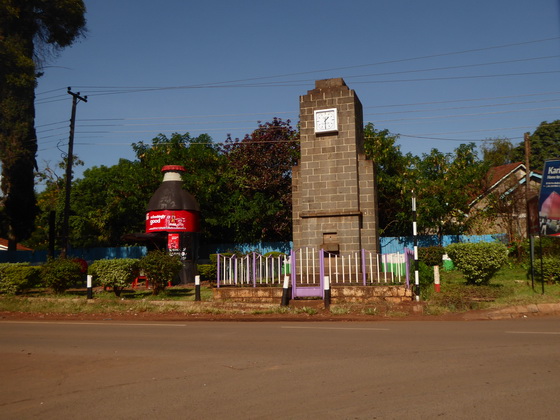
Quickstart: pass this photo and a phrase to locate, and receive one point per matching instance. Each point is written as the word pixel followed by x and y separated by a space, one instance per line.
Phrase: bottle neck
pixel 172 176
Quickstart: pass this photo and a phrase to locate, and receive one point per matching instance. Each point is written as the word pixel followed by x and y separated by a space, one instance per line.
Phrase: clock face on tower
pixel 326 120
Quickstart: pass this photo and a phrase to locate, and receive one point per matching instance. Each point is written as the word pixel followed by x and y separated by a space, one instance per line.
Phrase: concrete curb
pixel 520 311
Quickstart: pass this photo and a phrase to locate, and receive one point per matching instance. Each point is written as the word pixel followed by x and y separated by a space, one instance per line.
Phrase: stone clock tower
pixel 333 186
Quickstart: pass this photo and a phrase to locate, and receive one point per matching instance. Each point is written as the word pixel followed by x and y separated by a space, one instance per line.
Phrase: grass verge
pixel 510 287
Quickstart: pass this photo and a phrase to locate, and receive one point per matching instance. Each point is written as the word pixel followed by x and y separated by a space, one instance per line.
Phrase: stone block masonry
pixel 333 187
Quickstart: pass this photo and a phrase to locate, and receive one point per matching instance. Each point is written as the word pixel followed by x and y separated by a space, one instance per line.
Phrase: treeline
pixel 244 186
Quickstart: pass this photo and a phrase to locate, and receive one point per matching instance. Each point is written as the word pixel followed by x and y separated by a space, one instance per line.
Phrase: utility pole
pixel 527 142
pixel 70 159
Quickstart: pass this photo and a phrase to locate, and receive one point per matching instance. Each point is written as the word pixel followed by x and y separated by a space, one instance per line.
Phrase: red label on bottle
pixel 173 241
pixel 172 221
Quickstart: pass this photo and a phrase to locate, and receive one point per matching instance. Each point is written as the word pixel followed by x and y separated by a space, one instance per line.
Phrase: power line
pixel 272 113
pixel 464 107
pixel 470 115
pixel 455 67
pixel 370 64
pixel 466 100
pixel 46 96
pixel 304 83
pixel 111 90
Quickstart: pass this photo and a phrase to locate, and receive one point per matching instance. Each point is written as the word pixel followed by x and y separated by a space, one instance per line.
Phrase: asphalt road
pixel 275 370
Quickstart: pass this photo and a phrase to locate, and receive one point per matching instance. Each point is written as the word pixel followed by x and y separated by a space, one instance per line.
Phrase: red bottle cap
pixel 174 168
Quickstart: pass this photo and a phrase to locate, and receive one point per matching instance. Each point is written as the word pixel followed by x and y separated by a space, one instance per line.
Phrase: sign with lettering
pixel 172 221
pixel 549 199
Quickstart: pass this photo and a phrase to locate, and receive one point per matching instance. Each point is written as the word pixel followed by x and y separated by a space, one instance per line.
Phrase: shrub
pixel 550 246
pixel 214 257
pixel 275 254
pixel 117 274
pixel 17 277
pixel 431 255
pixel 207 271
pixel 426 275
pixel 160 268
pixel 59 274
pixel 478 262
pixel 550 269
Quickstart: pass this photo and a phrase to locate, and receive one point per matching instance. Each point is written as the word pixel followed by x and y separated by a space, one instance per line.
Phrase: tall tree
pixel 497 152
pixel 50 202
pixel 545 144
pixel 446 185
pixel 393 173
pixel 107 203
pixel 260 166
pixel 29 31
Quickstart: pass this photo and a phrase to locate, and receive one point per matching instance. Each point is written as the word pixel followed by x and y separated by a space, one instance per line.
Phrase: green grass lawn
pixel 509 287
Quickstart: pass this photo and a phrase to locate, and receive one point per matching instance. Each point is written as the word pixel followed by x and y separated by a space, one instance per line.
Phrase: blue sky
pixel 437 72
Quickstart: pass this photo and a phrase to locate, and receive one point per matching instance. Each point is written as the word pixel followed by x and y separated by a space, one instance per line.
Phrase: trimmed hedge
pixel 117 274
pixel 18 277
pixel 60 274
pixel 478 262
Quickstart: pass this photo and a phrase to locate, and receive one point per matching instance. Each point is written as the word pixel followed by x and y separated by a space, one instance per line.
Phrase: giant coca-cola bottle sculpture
pixel 175 213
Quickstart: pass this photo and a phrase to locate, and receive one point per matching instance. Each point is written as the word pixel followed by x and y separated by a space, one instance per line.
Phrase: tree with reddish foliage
pixel 260 181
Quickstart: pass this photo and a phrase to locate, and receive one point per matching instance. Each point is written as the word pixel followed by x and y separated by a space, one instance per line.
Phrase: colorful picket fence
pixel 250 270
pixel 307 268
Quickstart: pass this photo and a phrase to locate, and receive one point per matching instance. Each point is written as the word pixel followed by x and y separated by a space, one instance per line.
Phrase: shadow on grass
pixel 170 293
pixel 173 293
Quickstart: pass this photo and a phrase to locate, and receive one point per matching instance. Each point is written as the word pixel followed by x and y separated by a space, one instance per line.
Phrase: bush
pixel 116 274
pixel 275 254
pixel 426 275
pixel 478 262
pixel 160 268
pixel 550 269
pixel 59 274
pixel 207 271
pixel 18 277
pixel 550 246
pixel 214 257
pixel 431 255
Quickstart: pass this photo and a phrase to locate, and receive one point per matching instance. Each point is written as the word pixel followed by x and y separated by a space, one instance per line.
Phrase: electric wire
pixel 243 83
pixel 378 63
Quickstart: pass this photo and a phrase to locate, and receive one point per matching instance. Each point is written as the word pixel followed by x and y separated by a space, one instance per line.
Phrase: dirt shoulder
pixel 299 312
pixel 322 316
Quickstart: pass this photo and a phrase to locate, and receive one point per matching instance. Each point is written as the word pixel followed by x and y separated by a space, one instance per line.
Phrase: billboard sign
pixel 549 199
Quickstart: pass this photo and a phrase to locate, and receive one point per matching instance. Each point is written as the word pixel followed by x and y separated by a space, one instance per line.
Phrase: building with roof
pixel 502 206
pixel 4 246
